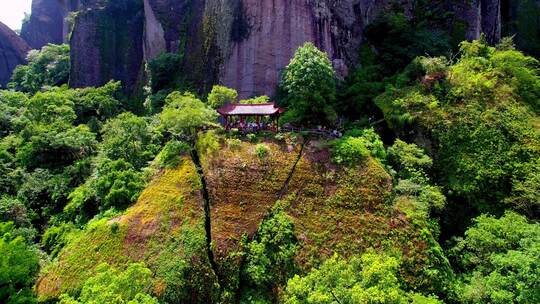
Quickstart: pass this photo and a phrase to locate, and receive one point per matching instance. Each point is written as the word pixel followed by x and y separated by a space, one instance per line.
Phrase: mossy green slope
pixel 164 229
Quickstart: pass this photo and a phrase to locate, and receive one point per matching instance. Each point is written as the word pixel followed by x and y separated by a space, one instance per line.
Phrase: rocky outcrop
pixel 48 23
pixel 107 43
pixel 13 50
pixel 243 44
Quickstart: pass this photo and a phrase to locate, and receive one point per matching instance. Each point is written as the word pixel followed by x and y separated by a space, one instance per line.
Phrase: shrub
pixel 350 151
pixel 46 67
pixel 370 278
pixel 109 285
pixel 169 157
pixel 262 151
pixel 221 95
pixel 252 137
pixel 19 264
pixel 500 259
pixel 208 142
pixel 56 237
pixel 234 143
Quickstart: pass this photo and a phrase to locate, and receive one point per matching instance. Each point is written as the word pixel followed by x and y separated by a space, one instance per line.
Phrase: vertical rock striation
pixel 106 43
pixel 13 50
pixel 244 44
pixel 47 23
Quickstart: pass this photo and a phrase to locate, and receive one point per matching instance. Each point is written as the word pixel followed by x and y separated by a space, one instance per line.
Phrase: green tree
pixel 370 278
pixel 269 258
pixel 221 95
pixel 309 82
pixel 130 138
pixel 11 104
pixel 19 265
pixel 184 115
pixel 480 116
pixel 109 285
pixel 46 67
pixel 118 184
pixel 500 261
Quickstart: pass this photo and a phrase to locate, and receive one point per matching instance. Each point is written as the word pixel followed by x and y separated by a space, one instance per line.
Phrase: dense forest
pixel 427 190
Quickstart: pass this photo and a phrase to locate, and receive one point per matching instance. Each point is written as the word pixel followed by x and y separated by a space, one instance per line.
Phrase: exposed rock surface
pixel 13 50
pixel 47 23
pixel 240 43
pixel 106 43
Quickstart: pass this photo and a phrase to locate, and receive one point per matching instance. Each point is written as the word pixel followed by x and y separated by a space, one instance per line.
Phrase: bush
pixel 169 157
pixel 262 151
pixel 234 143
pixel 117 184
pixel 49 66
pixel 370 278
pixel 164 71
pixel 208 142
pixel 220 96
pixel 350 151
pixel 500 259
pixel 131 138
pixel 19 265
pixel 109 285
pixel 270 256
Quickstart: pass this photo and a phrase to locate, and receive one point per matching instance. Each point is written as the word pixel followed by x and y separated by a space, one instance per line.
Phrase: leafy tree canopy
pixel 184 114
pixel 500 260
pixel 46 67
pixel 19 264
pixel 309 82
pixel 221 95
pixel 109 285
pixel 370 278
pixel 481 112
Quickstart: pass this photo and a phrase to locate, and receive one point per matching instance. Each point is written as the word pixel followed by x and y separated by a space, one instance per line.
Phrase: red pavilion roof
pixel 237 109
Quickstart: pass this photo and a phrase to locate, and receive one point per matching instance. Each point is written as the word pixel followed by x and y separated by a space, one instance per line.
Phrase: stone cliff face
pixel 239 43
pixel 13 50
pixel 106 43
pixel 47 23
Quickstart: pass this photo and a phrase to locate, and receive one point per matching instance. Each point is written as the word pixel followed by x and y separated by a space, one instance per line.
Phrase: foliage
pixel 11 103
pixel 130 138
pixel 481 115
pixel 18 266
pixel 350 151
pixel 164 71
pixel 109 285
pixel 262 151
pixel 370 278
pixel 13 210
pixel 372 141
pixel 184 114
pixel 220 95
pixel 94 105
pixel 118 184
pixel 393 40
pixel 356 145
pixel 500 261
pixel 170 155
pixel 256 100
pixel 409 160
pixel 47 67
pixel 310 87
pixel 270 257
pixel 208 142
pixel 56 237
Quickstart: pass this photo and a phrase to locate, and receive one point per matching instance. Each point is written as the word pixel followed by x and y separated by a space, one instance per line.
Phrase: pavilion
pixel 243 111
